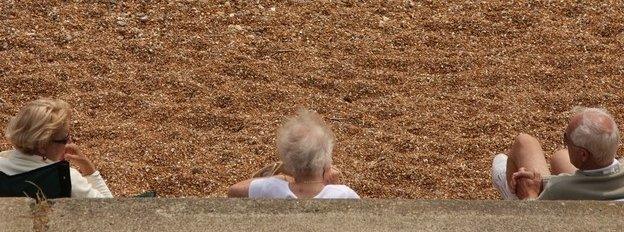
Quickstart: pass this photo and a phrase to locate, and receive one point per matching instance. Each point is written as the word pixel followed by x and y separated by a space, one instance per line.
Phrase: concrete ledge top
pixel 202 214
pixel 16 214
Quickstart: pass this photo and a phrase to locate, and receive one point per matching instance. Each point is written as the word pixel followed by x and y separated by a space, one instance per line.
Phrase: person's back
pixel 44 182
pixel 14 162
pixel 604 184
pixel 274 187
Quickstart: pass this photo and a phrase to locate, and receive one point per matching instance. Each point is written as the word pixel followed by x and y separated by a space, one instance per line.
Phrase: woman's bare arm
pixel 240 189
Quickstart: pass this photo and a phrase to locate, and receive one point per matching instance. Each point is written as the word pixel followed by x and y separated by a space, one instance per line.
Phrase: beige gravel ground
pixel 185 97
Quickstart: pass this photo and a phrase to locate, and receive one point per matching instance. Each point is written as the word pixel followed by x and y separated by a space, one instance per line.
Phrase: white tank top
pixel 272 187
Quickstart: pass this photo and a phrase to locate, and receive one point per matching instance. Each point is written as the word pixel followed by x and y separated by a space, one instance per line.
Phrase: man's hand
pixel 331 175
pixel 526 184
pixel 84 164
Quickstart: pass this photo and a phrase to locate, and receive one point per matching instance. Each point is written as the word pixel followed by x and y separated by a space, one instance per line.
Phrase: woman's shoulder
pixel 269 187
pixel 338 191
pixel 269 181
pixel 5 154
pixel 339 187
pixel 11 154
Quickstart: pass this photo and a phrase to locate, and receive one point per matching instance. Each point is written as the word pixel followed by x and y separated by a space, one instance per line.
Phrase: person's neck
pixel 307 185
pixel 593 165
pixel 35 153
pixel 308 179
pixel 43 156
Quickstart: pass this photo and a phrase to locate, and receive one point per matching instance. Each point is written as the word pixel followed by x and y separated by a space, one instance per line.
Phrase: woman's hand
pixel 84 164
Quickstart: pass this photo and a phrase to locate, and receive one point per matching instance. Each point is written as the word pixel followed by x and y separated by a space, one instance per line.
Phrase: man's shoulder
pixel 565 178
pixel 578 186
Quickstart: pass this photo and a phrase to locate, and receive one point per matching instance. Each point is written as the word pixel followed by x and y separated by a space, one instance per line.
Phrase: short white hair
pixel 305 143
pixel 597 132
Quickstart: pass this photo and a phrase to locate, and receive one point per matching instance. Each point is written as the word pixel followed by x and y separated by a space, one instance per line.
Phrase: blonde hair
pixel 305 143
pixel 35 124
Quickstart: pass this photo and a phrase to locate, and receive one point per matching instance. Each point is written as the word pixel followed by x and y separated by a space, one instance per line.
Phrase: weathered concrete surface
pixel 16 214
pixel 307 215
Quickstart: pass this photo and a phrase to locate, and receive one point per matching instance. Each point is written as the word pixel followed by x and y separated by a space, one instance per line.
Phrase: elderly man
pixel 586 170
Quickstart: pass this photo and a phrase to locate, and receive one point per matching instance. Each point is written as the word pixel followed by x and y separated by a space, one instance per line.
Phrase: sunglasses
pixel 65 140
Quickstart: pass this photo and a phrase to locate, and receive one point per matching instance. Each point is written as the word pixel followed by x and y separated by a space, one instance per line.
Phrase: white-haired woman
pixel 305 146
pixel 40 134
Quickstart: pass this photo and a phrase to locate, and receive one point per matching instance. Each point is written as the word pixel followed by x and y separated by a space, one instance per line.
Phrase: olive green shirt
pixel 605 184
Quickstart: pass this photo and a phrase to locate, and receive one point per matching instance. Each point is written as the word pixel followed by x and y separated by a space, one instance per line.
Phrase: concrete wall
pixel 210 214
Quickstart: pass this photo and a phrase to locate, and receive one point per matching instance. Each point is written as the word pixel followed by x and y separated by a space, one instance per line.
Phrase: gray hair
pixel 305 143
pixel 597 132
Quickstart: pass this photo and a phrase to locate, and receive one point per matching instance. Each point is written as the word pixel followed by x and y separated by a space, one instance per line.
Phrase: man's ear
pixel 585 155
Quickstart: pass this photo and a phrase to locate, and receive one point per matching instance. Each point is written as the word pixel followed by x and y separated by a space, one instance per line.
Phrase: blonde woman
pixel 305 146
pixel 41 135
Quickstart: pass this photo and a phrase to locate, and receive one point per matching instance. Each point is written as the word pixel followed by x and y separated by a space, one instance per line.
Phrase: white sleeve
pixel 256 188
pixel 350 193
pixel 91 186
pixel 269 187
pixel 344 192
